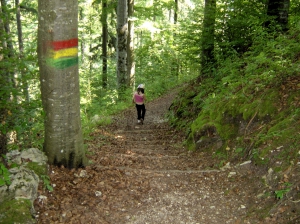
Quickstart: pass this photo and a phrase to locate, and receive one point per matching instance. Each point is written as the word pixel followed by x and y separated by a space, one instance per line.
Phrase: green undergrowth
pixel 250 111
pixel 251 105
pixel 16 211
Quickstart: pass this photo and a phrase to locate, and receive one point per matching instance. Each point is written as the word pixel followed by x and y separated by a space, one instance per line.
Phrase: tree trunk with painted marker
pixel 58 63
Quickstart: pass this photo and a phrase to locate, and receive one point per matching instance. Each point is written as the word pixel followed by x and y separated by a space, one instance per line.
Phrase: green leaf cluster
pixel 4 175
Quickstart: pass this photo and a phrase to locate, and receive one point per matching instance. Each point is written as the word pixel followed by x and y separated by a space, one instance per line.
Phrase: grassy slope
pixel 250 111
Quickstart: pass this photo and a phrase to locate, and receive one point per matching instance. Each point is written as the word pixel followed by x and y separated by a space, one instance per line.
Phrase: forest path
pixel 142 174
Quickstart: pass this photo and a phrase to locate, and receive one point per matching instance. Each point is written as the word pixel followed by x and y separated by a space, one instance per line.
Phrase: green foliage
pixel 4 175
pixel 258 88
pixel 280 193
pixel 258 158
pixel 239 150
pixel 47 182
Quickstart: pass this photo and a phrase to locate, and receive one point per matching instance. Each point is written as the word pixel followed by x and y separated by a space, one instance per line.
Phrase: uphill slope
pixel 143 174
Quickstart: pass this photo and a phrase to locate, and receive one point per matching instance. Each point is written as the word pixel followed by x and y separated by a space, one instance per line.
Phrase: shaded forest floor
pixel 143 174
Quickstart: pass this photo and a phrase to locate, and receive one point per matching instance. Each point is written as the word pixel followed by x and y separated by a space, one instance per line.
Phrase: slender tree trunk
pixel 82 44
pixel 175 65
pixel 8 44
pixel 21 50
pixel 176 12
pixel 154 8
pixel 6 25
pixel 104 43
pixel 130 46
pixel 6 72
pixel 58 63
pixel 19 28
pixel 3 97
pixel 207 56
pixel 279 10
pixel 122 30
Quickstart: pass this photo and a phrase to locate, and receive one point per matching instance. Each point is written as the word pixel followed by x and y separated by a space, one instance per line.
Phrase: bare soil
pixel 143 174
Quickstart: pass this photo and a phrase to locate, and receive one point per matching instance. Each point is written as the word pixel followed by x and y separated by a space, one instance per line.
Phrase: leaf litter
pixel 143 174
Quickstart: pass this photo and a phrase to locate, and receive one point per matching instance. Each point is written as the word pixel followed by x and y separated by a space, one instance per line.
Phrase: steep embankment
pixel 251 118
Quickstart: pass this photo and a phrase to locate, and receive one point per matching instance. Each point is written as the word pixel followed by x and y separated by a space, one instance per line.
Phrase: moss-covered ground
pixel 16 211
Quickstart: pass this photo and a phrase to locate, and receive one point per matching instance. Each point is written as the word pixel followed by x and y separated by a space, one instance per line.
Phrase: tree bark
pixel 130 46
pixel 82 44
pixel 104 43
pixel 122 30
pixel 176 12
pixel 58 63
pixel 21 50
pixel 6 78
pixel 207 56
pixel 9 43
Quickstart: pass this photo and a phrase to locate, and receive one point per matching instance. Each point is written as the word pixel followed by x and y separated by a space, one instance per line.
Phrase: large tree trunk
pixel 208 36
pixel 104 43
pixel 279 10
pixel 58 63
pixel 130 45
pixel 122 31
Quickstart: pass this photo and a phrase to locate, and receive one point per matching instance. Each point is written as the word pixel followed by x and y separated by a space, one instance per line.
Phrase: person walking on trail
pixel 139 100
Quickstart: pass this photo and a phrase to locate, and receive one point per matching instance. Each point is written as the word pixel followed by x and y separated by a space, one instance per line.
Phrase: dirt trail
pixel 142 174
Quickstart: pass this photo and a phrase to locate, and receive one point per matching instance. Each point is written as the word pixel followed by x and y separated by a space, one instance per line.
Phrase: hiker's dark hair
pixel 140 90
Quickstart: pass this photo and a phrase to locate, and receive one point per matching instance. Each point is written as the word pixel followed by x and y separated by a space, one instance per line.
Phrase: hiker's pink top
pixel 139 99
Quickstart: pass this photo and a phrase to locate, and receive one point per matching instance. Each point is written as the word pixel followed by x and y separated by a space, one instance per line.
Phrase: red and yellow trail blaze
pixel 63 54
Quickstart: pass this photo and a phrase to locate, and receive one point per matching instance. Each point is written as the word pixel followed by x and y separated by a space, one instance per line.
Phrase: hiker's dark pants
pixel 141 111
